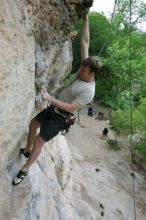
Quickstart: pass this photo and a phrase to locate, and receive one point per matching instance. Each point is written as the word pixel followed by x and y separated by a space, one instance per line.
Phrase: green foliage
pixel 121 122
pixel 143 90
pixel 116 81
pixel 99 29
pixel 141 149
pixel 113 84
pixel 122 15
pixel 113 144
pixel 121 119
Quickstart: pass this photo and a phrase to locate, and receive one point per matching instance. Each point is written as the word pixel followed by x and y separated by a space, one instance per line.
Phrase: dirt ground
pixel 103 177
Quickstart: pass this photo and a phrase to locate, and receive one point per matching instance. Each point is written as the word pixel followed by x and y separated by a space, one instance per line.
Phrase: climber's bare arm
pixel 85 38
pixel 69 107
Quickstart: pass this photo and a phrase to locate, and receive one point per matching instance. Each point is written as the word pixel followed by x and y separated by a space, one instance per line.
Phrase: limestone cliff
pixel 35 50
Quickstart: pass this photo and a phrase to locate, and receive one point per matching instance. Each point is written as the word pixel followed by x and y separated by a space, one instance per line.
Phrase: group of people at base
pixel 90 112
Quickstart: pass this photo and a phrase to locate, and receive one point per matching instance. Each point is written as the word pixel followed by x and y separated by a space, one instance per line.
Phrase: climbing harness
pixel 69 118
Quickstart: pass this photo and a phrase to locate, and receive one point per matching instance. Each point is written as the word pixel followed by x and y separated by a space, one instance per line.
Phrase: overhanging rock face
pixel 53 22
pixel 35 51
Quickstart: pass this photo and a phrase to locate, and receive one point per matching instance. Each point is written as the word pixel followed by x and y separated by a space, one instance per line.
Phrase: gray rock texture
pixel 35 51
pixel 46 193
pixel 17 74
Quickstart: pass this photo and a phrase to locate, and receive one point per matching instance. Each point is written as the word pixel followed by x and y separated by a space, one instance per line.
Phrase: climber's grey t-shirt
pixel 78 90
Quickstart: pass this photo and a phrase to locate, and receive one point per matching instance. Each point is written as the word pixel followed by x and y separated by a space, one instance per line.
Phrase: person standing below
pixel 90 111
pixel 57 117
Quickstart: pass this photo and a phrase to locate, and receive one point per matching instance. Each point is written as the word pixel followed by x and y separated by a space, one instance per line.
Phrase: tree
pixel 122 14
pixel 113 84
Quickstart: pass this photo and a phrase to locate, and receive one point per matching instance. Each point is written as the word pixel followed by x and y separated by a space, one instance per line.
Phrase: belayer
pixel 90 111
pixel 60 114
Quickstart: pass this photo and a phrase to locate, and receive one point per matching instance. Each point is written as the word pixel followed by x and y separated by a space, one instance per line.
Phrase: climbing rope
pixel 130 91
pixel 131 109
pixel 107 38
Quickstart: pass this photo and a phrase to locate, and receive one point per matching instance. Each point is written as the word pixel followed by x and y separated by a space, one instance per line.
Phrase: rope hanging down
pixel 130 91
pixel 131 112
pixel 107 38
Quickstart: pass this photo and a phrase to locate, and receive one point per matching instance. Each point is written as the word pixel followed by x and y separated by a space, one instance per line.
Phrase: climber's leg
pixel 48 130
pixel 38 144
pixel 37 147
pixel 34 124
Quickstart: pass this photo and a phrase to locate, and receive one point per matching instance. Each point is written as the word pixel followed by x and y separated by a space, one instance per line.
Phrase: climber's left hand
pixel 45 95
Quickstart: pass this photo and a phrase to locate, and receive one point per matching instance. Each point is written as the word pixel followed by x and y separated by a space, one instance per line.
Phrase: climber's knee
pixel 39 142
pixel 34 124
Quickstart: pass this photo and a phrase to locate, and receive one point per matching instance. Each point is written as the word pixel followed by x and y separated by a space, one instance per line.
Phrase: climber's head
pixel 89 68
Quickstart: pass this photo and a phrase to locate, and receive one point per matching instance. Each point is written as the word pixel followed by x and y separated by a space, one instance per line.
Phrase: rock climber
pixel 59 115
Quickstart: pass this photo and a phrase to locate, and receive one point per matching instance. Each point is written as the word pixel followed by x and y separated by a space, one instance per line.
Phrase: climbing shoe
pixel 19 178
pixel 25 152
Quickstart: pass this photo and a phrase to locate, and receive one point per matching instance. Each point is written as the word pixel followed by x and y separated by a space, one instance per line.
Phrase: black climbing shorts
pixel 51 123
